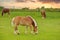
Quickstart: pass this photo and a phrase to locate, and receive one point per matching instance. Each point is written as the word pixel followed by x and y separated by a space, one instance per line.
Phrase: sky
pixel 56 1
pixel 30 3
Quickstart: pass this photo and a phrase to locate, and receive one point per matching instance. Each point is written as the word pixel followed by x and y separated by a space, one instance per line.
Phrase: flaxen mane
pixel 33 21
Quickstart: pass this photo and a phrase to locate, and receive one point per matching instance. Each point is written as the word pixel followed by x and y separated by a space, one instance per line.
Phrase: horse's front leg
pixel 9 14
pixel 26 29
pixel 2 13
pixel 31 28
pixel 16 31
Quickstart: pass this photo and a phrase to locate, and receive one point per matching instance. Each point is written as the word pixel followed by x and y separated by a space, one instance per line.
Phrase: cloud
pixel 25 0
pixel 45 1
pixel 56 1
pixel 6 0
pixel 20 0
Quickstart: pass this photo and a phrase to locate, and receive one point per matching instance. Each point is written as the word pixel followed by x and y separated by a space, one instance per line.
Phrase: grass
pixel 49 28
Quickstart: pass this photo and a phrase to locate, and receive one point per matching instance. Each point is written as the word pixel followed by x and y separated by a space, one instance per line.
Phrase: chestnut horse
pixel 43 14
pixel 5 10
pixel 27 21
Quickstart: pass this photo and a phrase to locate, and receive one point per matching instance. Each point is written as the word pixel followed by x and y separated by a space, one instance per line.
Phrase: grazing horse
pixel 27 21
pixel 5 10
pixel 43 14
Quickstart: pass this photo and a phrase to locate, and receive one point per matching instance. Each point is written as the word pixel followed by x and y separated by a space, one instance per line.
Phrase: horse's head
pixel 35 26
pixel 35 29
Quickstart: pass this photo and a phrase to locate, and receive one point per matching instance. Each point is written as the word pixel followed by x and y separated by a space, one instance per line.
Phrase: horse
pixel 43 13
pixel 5 10
pixel 27 21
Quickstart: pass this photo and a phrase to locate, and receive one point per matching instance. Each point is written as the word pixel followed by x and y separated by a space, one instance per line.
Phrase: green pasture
pixel 48 29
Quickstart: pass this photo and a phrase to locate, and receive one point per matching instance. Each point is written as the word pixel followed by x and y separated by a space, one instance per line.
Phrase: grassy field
pixel 49 28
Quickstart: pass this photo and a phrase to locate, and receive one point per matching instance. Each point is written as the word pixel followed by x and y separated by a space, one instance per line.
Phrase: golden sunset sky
pixel 32 4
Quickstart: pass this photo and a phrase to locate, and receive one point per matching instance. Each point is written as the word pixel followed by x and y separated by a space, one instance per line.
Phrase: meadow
pixel 48 29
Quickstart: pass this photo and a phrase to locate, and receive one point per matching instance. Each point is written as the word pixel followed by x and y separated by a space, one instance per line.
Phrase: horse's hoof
pixel 18 33
pixel 36 33
pixel 15 33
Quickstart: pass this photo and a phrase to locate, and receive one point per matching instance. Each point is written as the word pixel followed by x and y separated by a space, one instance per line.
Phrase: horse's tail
pixel 12 22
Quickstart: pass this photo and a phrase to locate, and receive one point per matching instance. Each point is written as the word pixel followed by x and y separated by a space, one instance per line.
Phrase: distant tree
pixel 42 7
pixel 1 7
pixel 25 8
pixel 38 9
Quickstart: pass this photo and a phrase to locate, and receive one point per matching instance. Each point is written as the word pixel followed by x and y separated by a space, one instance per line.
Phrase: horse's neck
pixel 32 20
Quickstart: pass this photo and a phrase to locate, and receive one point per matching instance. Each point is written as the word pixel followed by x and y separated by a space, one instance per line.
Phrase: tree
pixel 42 7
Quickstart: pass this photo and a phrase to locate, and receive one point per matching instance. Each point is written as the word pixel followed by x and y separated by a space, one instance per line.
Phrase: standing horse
pixel 27 21
pixel 5 10
pixel 43 14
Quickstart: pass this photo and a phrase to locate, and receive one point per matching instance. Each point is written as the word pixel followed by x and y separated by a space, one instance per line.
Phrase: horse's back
pixel 5 10
pixel 17 19
pixel 22 20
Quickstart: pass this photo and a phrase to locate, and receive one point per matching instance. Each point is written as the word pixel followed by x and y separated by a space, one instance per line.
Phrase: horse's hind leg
pixel 16 31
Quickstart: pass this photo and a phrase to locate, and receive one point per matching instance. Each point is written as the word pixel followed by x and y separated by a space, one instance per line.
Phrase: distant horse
pixel 43 14
pixel 5 10
pixel 27 21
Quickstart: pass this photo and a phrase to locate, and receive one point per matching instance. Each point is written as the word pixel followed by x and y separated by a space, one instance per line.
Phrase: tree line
pixel 37 9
